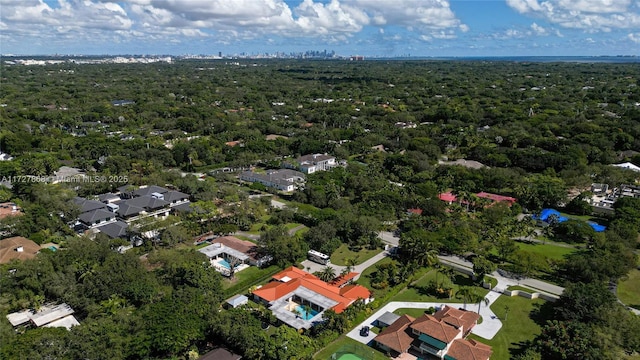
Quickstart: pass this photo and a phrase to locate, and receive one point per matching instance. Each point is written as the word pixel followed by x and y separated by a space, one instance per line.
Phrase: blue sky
pixel 349 27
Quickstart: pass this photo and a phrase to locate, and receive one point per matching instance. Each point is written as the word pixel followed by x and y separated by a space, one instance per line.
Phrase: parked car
pixel 364 331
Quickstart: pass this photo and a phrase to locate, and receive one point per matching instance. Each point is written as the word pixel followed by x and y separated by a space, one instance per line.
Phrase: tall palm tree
pixel 481 299
pixel 466 294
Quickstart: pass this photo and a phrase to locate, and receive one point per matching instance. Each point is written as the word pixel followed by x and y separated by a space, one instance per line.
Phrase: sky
pixel 349 27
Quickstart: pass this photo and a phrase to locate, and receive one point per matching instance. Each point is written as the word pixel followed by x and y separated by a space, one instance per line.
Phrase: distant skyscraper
pixel 219 53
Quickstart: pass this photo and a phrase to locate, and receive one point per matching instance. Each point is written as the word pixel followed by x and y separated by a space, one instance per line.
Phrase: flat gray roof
pixel 214 250
pixel 388 318
pixel 50 314
pixel 66 322
pixel 20 317
pixel 279 308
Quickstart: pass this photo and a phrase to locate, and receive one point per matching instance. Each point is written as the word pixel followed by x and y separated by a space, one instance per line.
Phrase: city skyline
pixel 372 28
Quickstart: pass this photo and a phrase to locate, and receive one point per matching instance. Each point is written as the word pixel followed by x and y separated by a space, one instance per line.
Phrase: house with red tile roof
pixel 298 298
pixel 450 198
pixel 441 335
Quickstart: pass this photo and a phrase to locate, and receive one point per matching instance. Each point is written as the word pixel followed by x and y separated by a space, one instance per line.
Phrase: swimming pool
pixel 303 314
pixel 224 263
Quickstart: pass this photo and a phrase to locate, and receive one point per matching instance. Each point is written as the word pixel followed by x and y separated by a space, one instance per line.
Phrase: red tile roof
pixel 245 247
pixel 458 318
pixel 415 211
pixel 9 209
pixel 469 350
pixel 448 197
pixel 495 197
pixel 435 328
pixel 397 335
pixel 291 278
pixel 343 279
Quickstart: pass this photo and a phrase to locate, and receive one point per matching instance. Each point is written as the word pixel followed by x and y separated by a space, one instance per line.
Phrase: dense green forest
pixel 543 130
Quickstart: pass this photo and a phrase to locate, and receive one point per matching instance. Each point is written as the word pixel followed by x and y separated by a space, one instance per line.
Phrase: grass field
pixel 548 250
pixel 629 289
pixel 249 276
pixel 325 354
pixel 365 281
pixel 416 291
pixel 340 256
pixel 518 328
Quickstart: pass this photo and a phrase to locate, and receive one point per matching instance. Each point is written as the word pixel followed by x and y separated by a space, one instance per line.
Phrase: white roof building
pixel 628 165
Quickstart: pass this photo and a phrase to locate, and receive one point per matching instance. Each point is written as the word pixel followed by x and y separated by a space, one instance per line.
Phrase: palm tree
pixel 467 295
pixel 350 265
pixel 327 274
pixel 428 257
pixel 481 300
pixel 448 272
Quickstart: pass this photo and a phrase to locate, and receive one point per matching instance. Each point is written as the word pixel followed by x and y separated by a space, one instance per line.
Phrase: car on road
pixel 364 331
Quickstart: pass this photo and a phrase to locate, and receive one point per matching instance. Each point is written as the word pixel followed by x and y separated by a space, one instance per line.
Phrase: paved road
pixel 535 284
pixel 389 238
pixel 312 267
pixel 296 229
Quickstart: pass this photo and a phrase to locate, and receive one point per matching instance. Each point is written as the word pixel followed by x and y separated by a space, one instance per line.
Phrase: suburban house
pixel 450 198
pixel 49 315
pixel 17 248
pixel 227 251
pixel 298 298
pixel 112 213
pixel 283 180
pixel 441 335
pixel 309 164
pixel 9 209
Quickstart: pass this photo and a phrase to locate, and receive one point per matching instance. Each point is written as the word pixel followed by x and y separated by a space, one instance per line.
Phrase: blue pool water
pixel 224 263
pixel 304 314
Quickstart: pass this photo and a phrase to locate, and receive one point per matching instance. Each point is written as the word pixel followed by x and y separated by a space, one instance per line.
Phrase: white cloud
pixel 59 21
pixel 635 37
pixel 539 30
pixel 588 15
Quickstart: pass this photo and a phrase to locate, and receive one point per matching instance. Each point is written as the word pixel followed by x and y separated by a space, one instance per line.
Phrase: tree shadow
pixel 463 280
pixel 543 312
pixel 519 348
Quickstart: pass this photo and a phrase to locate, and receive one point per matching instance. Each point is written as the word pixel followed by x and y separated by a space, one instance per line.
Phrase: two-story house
pixel 310 164
pixel 441 335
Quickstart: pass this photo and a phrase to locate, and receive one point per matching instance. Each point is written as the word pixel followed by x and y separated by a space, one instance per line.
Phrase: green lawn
pixel 416 291
pixel 365 281
pixel 548 250
pixel 249 276
pixel 629 289
pixel 518 328
pixel 340 256
pixel 325 354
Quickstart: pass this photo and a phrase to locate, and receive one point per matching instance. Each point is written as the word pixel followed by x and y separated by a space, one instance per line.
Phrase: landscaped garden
pixel 439 286
pixel 518 325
